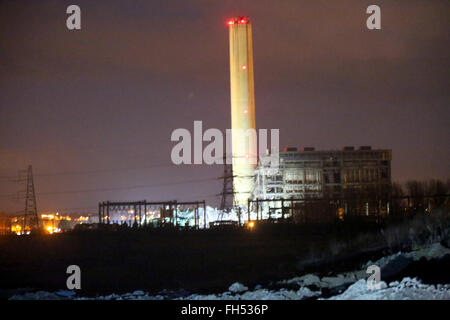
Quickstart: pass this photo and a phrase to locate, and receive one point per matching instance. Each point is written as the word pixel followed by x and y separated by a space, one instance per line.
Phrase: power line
pixel 12 178
pixel 77 148
pixel 90 208
pixel 115 188
pixel 16 178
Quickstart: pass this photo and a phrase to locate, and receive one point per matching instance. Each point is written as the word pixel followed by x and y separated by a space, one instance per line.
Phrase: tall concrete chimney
pixel 242 108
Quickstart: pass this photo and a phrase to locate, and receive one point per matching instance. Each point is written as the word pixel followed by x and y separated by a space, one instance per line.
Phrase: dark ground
pixel 152 260
pixel 200 261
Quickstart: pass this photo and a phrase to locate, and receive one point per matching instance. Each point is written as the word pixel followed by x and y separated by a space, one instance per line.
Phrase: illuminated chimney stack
pixel 242 108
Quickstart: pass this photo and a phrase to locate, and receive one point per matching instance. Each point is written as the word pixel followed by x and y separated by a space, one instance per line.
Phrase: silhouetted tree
pixel 396 192
pixel 435 189
pixel 416 190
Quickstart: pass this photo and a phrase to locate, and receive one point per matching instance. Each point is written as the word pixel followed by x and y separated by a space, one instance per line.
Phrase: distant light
pixel 245 111
pixel 244 67
pixel 251 224
pixel 243 20
pixel 230 21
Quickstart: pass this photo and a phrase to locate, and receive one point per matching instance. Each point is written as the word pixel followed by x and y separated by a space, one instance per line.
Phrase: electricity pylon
pixel 31 218
pixel 227 203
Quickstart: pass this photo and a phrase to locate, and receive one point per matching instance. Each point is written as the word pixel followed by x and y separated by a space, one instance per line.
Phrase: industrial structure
pixel 5 224
pixel 227 200
pixel 31 218
pixel 140 213
pixel 307 175
pixel 301 176
pixel 244 152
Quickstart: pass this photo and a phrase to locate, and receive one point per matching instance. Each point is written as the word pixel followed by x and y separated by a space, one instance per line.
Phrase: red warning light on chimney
pixel 238 20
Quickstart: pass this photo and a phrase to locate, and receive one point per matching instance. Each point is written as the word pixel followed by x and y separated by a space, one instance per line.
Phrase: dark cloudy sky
pixel 94 109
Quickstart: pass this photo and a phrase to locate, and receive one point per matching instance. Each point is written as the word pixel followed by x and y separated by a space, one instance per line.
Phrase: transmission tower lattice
pixel 30 219
pixel 227 203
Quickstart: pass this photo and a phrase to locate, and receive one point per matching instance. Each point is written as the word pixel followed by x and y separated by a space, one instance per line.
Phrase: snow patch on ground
pixel 325 282
pixel 237 287
pixel 433 251
pixel 382 262
pixel 260 294
pixel 40 295
pixel 407 289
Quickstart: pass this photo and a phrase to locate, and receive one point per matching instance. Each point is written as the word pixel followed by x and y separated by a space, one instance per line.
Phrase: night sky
pixel 93 110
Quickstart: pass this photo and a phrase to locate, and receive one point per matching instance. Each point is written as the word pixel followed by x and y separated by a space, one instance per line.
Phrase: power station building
pixel 309 174
pixel 301 174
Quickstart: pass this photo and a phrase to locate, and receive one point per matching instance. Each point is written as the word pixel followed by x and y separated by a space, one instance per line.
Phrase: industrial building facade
pixel 333 174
